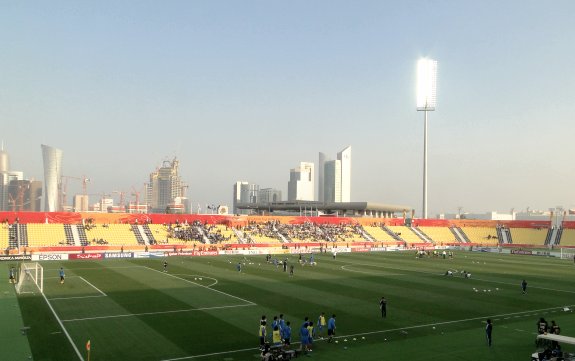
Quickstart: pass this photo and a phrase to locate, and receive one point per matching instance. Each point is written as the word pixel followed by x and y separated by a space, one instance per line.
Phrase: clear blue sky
pixel 245 90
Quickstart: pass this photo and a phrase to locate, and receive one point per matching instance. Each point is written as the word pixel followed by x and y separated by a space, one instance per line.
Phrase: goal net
pixel 567 253
pixel 30 278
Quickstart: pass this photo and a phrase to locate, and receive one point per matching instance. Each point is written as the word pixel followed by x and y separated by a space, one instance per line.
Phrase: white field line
pixel 92 268
pixel 96 288
pixel 58 277
pixel 74 297
pixel 199 285
pixel 471 279
pixel 216 353
pixel 155 313
pixel 63 328
pixel 375 332
pixel 102 294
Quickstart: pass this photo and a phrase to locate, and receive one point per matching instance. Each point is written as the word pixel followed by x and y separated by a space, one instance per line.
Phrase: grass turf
pixel 131 310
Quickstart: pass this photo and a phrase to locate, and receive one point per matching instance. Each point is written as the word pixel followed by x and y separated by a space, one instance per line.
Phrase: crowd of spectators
pixel 196 231
pixel 304 232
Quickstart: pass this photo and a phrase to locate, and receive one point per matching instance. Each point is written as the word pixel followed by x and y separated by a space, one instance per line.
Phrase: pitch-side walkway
pixel 13 344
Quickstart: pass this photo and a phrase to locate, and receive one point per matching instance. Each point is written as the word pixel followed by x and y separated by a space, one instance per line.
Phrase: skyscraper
pixel 165 186
pixel 244 192
pixel 52 176
pixel 320 177
pixel 345 158
pixel 335 177
pixel 301 183
pixel 332 187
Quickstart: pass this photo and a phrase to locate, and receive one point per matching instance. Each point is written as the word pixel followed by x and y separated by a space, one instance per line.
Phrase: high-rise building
pixel 52 177
pixel 25 195
pixel 165 186
pixel 17 194
pixel 269 195
pixel 301 183
pixel 320 177
pixel 345 158
pixel 81 203
pixel 335 177
pixel 4 178
pixel 8 201
pixel 244 192
pixel 332 184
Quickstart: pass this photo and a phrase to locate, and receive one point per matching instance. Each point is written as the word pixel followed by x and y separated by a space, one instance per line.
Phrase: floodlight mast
pixel 426 101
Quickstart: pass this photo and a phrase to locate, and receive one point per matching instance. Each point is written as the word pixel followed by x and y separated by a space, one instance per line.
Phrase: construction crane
pixel 64 188
pixel 18 202
pixel 121 204
pixel 137 195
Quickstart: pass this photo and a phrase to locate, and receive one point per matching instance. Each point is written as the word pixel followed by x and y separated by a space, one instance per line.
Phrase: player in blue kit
pixel 331 328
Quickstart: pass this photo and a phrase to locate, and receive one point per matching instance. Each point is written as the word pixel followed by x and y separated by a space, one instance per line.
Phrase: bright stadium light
pixel 426 84
pixel 426 101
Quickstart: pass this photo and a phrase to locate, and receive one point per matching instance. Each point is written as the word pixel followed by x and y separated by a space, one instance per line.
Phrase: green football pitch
pixel 204 309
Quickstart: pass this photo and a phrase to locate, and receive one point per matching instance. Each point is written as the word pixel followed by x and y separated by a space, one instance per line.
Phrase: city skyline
pixel 245 91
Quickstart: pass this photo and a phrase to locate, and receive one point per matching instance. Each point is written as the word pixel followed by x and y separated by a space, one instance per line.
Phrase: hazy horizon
pixel 245 91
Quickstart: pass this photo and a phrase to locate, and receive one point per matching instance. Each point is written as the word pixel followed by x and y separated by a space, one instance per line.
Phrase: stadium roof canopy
pixel 350 209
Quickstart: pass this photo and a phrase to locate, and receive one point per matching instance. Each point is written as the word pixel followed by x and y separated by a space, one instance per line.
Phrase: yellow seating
pixel 568 237
pixel 379 234
pixel 43 235
pixel 529 236
pixel 159 231
pixel 481 235
pixel 113 234
pixel 227 233
pixel 406 234
pixel 439 234
pixel 4 237
pixel 263 239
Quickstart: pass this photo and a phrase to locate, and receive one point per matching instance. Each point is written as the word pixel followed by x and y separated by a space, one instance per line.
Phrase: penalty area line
pixel 199 285
pixel 155 313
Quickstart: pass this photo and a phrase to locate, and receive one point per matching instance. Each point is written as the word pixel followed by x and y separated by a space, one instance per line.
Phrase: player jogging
pixel 165 266
pixel 524 286
pixel 383 307
pixel 331 328
pixel 62 275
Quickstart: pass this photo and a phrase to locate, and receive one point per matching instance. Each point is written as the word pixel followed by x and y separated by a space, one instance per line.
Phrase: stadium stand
pixel 103 232
pixel 111 234
pixel 228 234
pixel 530 236
pixel 4 236
pixel 40 234
pixel 481 235
pixel 567 237
pixel 406 234
pixel 379 234
pixel 439 234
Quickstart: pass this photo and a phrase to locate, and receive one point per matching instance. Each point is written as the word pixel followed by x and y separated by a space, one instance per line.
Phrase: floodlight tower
pixel 426 101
